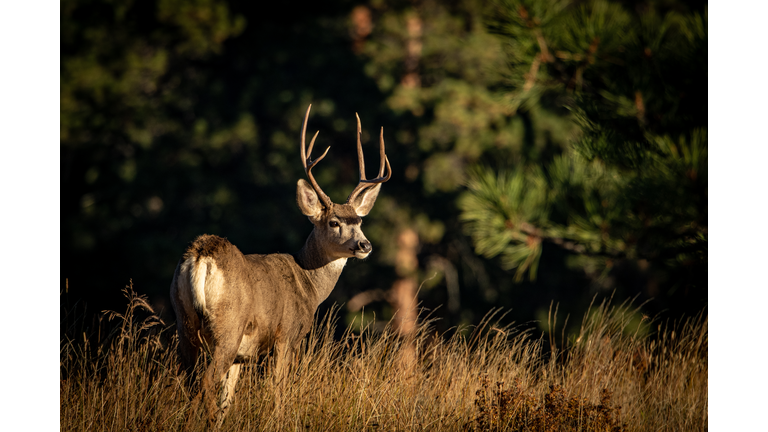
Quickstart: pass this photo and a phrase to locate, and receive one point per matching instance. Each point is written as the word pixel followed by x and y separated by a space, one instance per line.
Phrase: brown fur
pixel 346 214
pixel 254 303
pixel 238 307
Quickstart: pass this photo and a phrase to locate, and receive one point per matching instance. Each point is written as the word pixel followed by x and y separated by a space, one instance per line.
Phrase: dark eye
pixel 333 224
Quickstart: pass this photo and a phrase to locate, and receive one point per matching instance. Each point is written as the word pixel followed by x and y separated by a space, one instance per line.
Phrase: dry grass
pixel 606 378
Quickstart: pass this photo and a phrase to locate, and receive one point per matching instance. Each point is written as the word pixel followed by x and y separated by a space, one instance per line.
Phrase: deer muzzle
pixel 364 246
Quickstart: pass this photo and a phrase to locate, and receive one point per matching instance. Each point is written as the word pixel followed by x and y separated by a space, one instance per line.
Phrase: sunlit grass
pixel 609 376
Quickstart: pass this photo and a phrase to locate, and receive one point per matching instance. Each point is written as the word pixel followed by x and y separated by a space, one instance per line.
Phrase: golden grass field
pixel 617 374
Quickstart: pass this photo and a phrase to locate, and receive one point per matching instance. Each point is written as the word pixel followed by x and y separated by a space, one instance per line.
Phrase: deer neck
pixel 322 270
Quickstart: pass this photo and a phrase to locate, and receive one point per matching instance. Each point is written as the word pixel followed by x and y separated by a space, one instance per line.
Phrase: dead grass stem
pixel 608 377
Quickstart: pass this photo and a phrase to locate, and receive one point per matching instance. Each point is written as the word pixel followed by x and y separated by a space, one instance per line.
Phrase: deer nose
pixel 364 246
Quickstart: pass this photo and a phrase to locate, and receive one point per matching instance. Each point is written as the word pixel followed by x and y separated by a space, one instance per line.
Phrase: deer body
pixel 241 306
pixel 244 296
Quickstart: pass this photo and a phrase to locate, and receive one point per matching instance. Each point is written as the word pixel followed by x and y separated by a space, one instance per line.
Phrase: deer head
pixel 337 230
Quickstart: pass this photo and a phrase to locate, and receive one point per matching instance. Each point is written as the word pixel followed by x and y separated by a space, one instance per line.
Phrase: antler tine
pixel 384 161
pixel 363 184
pixel 382 156
pixel 306 159
pixel 360 160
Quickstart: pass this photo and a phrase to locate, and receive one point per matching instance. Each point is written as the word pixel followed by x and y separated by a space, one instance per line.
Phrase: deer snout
pixel 364 246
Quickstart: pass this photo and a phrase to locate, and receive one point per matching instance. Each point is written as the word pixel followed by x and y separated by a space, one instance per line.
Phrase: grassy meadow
pixel 616 374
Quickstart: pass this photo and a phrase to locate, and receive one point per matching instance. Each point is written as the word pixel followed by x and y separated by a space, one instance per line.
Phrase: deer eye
pixel 333 224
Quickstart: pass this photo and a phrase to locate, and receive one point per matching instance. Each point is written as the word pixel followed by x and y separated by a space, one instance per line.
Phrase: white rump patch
pixel 207 282
pixel 197 276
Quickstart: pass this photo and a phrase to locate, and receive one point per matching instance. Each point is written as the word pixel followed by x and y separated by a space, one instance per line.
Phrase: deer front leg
pixel 281 376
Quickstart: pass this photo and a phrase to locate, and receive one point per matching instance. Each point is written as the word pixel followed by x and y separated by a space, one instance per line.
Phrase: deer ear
pixel 364 201
pixel 307 199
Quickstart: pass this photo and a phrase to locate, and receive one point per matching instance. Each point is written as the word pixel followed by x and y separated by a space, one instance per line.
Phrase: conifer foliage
pixel 631 190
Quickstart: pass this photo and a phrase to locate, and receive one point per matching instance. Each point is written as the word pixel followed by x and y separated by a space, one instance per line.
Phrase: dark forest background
pixel 542 151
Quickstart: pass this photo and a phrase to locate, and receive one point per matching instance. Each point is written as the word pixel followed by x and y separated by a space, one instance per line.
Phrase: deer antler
pixel 363 184
pixel 309 163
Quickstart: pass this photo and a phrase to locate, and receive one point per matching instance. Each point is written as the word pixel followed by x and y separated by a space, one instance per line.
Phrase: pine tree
pixel 628 199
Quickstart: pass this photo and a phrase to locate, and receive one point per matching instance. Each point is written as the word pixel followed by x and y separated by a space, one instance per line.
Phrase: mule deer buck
pixel 240 306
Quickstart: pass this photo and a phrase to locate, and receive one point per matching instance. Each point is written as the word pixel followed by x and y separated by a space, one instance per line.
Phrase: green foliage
pixel 453 117
pixel 633 186
pixel 526 207
pixel 492 218
pixel 182 118
pixel 138 139
pixel 455 113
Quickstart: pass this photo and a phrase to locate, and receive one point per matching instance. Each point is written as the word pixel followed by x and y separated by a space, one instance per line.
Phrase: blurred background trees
pixel 541 151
